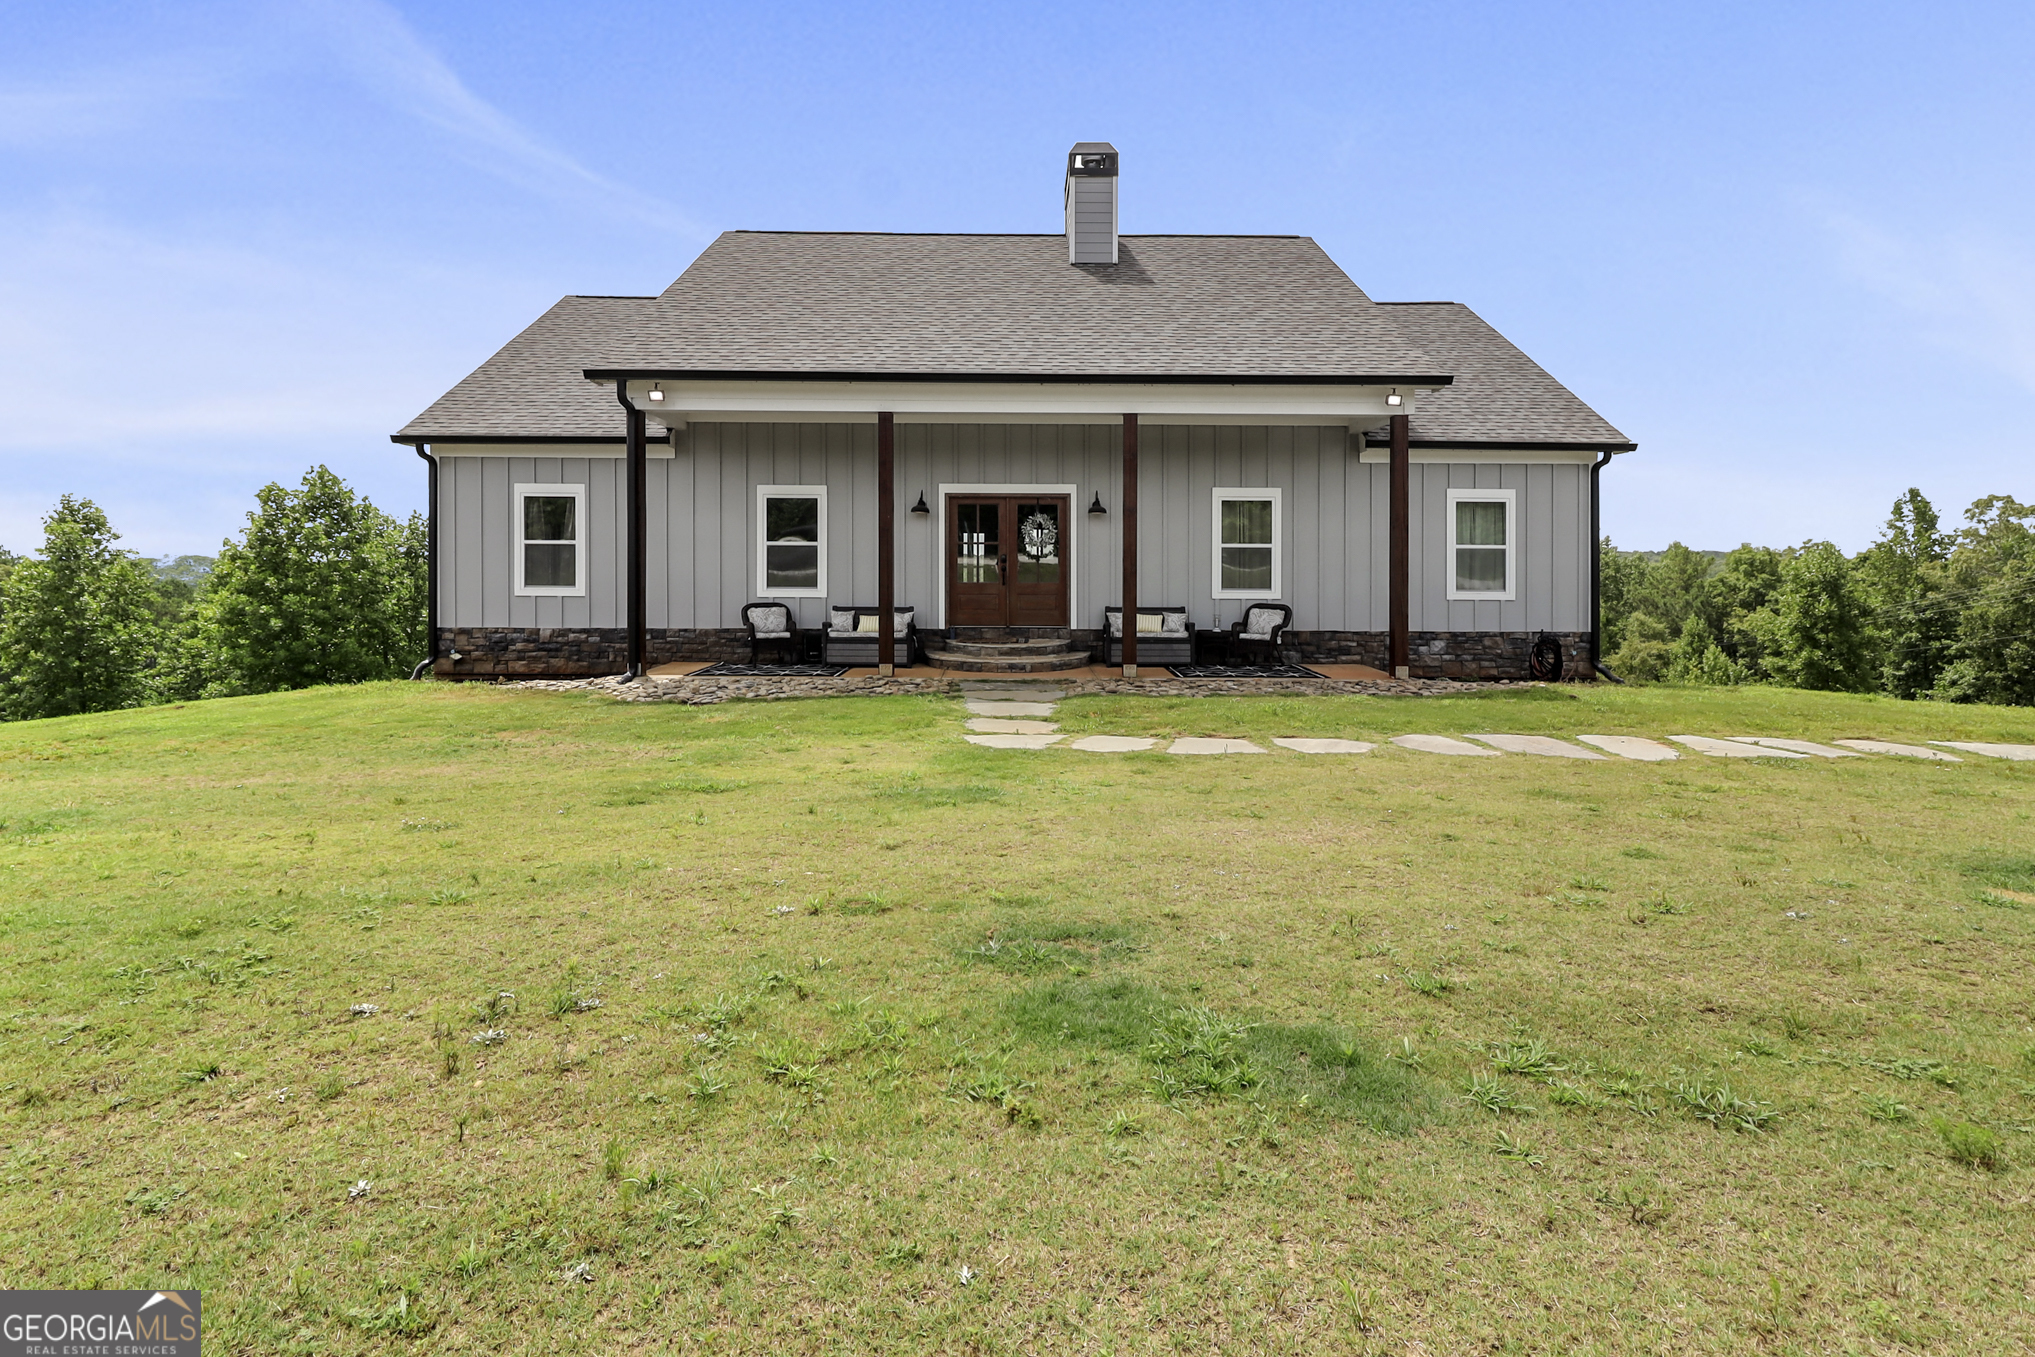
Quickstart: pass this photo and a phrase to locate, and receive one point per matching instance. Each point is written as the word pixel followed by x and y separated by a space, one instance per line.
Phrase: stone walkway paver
pixel 1303 746
pixel 1014 741
pixel 1111 744
pixel 1821 751
pixel 1442 744
pixel 980 707
pixel 1907 751
pixel 1731 749
pixel 1547 746
pixel 993 725
pixel 1634 747
pixel 2018 752
pixel 1195 744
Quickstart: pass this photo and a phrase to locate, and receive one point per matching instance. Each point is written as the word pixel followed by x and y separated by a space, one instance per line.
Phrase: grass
pixel 748 1027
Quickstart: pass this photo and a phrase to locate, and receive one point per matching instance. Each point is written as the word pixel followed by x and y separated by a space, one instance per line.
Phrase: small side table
pixel 1211 647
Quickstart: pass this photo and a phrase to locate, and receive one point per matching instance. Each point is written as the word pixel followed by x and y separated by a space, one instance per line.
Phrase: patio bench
pixel 851 636
pixel 1165 636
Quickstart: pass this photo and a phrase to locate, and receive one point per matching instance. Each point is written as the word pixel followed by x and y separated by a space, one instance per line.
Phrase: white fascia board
pixel 1019 402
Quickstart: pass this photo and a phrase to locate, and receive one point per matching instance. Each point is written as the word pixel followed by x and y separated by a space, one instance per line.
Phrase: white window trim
pixel 1278 497
pixel 579 561
pixel 769 492
pixel 1510 499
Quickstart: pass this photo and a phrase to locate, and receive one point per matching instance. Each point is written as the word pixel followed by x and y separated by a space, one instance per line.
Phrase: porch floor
pixel 1093 672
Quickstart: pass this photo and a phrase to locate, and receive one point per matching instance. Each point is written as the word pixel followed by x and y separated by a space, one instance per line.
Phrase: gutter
pixel 1597 567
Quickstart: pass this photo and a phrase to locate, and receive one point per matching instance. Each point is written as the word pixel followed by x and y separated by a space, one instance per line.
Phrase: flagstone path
pixel 1632 747
pixel 1732 749
pixel 1821 751
pixel 1015 715
pixel 1544 745
pixel 1442 744
pixel 2019 752
pixel 1909 751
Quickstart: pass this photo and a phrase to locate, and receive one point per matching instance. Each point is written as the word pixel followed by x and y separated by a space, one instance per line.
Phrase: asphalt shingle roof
pixel 532 387
pixel 860 303
pixel 1224 306
pixel 1499 394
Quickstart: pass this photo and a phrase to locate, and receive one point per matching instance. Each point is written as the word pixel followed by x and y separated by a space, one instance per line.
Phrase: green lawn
pixel 796 1010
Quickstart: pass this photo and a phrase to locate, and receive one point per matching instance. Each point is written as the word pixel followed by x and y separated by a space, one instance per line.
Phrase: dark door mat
pixel 1240 671
pixel 771 671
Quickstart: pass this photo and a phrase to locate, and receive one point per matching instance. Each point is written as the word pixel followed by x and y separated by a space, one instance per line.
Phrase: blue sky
pixel 1788 248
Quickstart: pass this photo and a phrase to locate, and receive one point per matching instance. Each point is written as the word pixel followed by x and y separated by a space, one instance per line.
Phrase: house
pixel 1009 433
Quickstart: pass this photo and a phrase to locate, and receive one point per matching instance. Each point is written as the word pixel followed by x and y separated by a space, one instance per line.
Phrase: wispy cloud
pixel 1974 292
pixel 98 102
pixel 388 57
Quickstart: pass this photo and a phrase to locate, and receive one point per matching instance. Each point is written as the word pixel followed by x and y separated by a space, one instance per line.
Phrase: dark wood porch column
pixel 1130 549
pixel 886 543
pixel 1401 543
pixel 639 570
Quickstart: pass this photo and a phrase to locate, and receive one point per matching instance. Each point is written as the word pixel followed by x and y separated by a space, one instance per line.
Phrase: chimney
pixel 1091 203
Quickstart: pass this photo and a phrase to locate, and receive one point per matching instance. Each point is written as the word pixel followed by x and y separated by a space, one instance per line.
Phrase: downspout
pixel 638 477
pixel 1597 574
pixel 430 659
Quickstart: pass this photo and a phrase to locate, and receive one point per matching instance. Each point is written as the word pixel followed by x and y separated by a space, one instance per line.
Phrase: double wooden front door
pixel 1008 560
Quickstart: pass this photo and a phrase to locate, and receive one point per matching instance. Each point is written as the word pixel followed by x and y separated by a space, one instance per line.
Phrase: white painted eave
pixel 851 402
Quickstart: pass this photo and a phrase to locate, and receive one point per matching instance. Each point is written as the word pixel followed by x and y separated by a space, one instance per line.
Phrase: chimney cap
pixel 1092 159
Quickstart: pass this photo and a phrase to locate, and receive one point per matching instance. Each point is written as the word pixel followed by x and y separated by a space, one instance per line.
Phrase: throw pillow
pixel 901 620
pixel 866 622
pixel 1258 622
pixel 1175 624
pixel 1150 622
pixel 770 621
pixel 841 619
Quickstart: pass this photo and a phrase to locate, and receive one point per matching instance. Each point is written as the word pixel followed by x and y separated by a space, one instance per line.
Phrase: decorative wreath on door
pixel 1040 535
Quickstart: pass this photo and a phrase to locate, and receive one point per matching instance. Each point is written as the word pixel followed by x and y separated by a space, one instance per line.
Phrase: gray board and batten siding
pixel 702 523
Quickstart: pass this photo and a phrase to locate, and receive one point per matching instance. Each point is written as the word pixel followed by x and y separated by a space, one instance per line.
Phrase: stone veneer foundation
pixel 490 652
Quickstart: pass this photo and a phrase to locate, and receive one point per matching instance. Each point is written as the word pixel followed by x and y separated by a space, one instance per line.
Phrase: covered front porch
pixel 1013 508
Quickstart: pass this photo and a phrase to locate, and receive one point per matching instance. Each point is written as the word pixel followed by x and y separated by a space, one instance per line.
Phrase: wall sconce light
pixel 1095 505
pixel 657 391
pixel 922 507
pixel 1395 399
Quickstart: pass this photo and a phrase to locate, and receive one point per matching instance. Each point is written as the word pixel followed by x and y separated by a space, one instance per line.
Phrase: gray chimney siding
pixel 1091 204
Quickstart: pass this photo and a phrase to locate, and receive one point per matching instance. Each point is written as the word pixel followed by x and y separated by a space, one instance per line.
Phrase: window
pixel 551 540
pixel 791 535
pixel 1483 544
pixel 1247 543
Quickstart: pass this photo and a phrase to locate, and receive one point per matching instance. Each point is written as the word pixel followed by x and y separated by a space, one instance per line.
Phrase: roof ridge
pixel 1027 235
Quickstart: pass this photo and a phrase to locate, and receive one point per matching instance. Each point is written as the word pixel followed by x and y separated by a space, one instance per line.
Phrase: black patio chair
pixel 1256 637
pixel 770 625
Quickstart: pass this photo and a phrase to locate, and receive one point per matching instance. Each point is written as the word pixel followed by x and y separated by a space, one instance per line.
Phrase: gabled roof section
pixel 1499 396
pixel 856 304
pixel 532 388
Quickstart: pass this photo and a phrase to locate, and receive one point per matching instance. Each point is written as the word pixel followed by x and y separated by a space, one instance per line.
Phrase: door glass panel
pixel 977 544
pixel 1038 555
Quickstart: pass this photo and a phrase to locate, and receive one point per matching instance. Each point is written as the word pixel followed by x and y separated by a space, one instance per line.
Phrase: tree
pixel 1673 588
pixel 78 629
pixel 1990 576
pixel 1913 620
pixel 323 587
pixel 1814 633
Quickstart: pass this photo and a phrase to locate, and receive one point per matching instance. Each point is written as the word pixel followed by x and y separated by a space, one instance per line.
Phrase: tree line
pixel 320 587
pixel 1924 612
